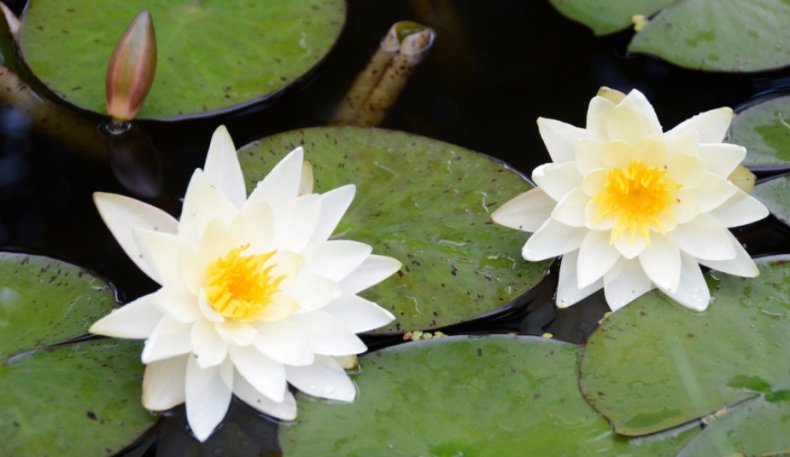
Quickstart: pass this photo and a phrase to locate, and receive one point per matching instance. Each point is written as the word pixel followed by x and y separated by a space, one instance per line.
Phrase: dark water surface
pixel 495 67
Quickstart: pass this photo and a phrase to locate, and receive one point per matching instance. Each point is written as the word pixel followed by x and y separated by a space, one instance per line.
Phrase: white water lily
pixel 254 293
pixel 631 208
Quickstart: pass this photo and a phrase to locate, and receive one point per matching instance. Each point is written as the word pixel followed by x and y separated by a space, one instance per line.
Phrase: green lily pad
pixel 764 129
pixel 465 396
pixel 757 428
pixel 425 203
pixel 655 365
pixel 608 16
pixel 213 56
pixel 774 194
pixel 711 35
pixel 719 35
pixel 60 397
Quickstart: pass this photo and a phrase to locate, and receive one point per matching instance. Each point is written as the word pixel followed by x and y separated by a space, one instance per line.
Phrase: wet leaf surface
pixel 212 55
pixel 472 396
pixel 756 428
pixel 712 35
pixel 774 194
pixel 78 398
pixel 608 16
pixel 764 130
pixel 655 365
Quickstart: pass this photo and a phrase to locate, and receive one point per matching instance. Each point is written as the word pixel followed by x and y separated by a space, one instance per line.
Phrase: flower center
pixel 241 287
pixel 636 196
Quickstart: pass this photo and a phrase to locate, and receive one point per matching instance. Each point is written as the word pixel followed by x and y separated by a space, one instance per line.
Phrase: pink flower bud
pixel 130 73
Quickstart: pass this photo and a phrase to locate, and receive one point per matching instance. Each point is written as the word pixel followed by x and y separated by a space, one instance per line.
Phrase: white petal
pixel 722 158
pixel 741 265
pixel 161 252
pixel 169 339
pixel 740 209
pixel 236 333
pixel 568 292
pixel 327 335
pixel 208 393
pixel 335 259
pixel 284 410
pixel 192 270
pixel 202 203
pixel 310 291
pixel 358 314
pixel 711 125
pixel 306 181
pixel 295 222
pixel 560 138
pixel 704 238
pixel 632 118
pixel 684 142
pixel 373 270
pixel 625 282
pixel 255 225
pixel 222 167
pixel 686 170
pixel 551 240
pixel 661 262
pixel 596 258
pixel 208 347
pixel 526 212
pixel 136 320
pixel 597 113
pixel 325 379
pixel 570 210
pixel 712 191
pixel 285 342
pixel 334 205
pixel 687 207
pixel 594 181
pixel 588 156
pixel 617 154
pixel 179 304
pixel 217 240
pixel 557 180
pixel 163 383
pixel 282 183
pixel 263 373
pixel 630 247
pixel 123 214
pixel 693 292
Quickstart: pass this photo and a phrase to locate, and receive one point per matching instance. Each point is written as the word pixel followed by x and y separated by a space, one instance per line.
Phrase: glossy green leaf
pixel 720 35
pixel 465 396
pixel 213 55
pixel 755 428
pixel 79 398
pixel 654 364
pixel 774 195
pixel 764 130
pixel 711 35
pixel 427 204
pixel 608 16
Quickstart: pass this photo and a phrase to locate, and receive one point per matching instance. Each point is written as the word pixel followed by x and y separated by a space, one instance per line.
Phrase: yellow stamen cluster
pixel 241 287
pixel 636 196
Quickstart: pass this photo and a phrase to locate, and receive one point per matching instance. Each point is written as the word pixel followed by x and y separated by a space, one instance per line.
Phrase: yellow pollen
pixel 636 197
pixel 241 287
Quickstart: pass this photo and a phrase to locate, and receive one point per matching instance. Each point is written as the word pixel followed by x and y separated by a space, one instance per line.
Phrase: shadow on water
pixel 495 67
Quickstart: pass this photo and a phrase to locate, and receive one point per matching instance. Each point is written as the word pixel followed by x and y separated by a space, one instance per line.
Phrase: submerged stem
pixel 378 86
